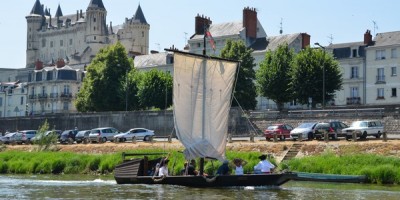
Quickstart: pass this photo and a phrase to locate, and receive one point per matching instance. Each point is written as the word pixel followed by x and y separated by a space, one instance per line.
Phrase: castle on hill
pixel 76 38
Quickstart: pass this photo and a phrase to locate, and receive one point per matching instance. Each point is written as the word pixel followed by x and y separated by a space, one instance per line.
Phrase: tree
pixel 104 87
pixel 245 91
pixel 307 76
pixel 154 89
pixel 273 77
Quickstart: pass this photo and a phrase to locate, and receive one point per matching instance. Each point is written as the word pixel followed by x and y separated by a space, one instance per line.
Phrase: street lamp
pixel 323 75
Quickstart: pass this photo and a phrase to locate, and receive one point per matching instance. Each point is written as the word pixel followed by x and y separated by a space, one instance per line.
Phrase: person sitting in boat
pixel 189 169
pixel 163 171
pixel 264 166
pixel 238 165
pixel 224 168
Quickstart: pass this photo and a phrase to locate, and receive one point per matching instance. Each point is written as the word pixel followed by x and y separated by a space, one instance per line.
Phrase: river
pixel 87 187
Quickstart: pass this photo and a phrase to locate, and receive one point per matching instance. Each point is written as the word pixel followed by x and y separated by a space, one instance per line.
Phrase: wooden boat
pixel 135 172
pixel 202 96
pixel 303 176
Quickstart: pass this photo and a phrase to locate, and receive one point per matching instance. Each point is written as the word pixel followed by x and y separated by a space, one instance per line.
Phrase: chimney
pixel 305 40
pixel 81 14
pixel 200 23
pixel 77 15
pixel 367 37
pixel 250 22
pixel 38 65
pixel 60 63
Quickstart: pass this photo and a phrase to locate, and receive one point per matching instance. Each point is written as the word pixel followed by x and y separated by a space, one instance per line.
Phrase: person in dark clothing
pixel 189 169
pixel 224 168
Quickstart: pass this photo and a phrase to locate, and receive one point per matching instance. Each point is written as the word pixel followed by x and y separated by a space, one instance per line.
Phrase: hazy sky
pixel 344 20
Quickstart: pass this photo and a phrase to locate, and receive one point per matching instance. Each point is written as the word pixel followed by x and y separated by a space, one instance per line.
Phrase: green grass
pixel 378 169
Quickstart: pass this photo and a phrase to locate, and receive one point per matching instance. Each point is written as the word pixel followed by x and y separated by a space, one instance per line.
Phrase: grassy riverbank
pixel 378 169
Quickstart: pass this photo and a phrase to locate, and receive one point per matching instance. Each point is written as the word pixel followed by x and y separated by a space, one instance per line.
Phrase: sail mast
pixel 204 95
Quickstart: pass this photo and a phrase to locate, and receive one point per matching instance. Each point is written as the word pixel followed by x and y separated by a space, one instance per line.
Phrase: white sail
pixel 202 98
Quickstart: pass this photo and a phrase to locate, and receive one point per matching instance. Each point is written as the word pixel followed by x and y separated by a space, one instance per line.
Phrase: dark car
pixel 68 136
pixel 333 128
pixel 82 136
pixel 281 130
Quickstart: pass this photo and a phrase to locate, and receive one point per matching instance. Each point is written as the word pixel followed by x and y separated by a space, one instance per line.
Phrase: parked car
pixel 82 136
pixel 281 130
pixel 68 136
pixel 27 135
pixel 305 129
pixel 103 134
pixel 333 128
pixel 139 134
pixel 10 138
pixel 47 133
pixel 364 128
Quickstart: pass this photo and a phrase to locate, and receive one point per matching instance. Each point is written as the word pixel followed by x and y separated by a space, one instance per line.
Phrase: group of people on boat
pixel 237 164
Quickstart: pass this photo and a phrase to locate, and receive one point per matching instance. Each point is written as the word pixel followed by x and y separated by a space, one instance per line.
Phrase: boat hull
pixel 212 181
pixel 303 176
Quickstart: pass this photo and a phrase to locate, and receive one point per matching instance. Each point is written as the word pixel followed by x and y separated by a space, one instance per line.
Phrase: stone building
pixel 251 32
pixel 76 38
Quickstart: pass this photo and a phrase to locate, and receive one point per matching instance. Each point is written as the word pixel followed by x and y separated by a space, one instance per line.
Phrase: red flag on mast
pixel 211 39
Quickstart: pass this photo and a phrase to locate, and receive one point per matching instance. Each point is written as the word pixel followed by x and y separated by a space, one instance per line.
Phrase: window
pixel 94 28
pixel 381 94
pixel 1 101
pixel 394 71
pixel 354 92
pixel 22 100
pixel 354 72
pixel 381 75
pixel 198 45
pixel 94 19
pixel 142 33
pixel 51 44
pixel 22 90
pixel 94 37
pixel 394 53
pixel 43 90
pixel 65 106
pixel 394 92
pixel 61 43
pixel 70 41
pixel 354 53
pixel 66 89
pixel 43 42
pixel 380 54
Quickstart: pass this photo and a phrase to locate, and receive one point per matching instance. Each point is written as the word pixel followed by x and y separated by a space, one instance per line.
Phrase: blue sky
pixel 346 21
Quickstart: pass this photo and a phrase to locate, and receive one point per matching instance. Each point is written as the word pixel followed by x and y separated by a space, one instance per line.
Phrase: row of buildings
pixel 59 47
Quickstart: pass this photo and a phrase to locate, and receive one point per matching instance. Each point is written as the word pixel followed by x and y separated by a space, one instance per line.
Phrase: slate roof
pixel 96 4
pixel 387 39
pixel 151 60
pixel 37 8
pixel 275 41
pixel 139 16
pixel 59 12
pixel 344 45
pixel 223 29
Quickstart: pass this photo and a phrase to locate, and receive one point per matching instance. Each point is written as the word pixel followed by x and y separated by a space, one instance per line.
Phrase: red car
pixel 281 130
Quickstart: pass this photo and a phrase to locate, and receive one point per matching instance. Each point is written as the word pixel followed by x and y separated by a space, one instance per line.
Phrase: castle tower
pixel 135 36
pixel 96 28
pixel 35 21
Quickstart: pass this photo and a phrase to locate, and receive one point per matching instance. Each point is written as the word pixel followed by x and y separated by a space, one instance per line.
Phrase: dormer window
pixel 354 53
pixel 94 19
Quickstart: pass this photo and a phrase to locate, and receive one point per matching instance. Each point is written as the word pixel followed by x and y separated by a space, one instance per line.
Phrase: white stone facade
pixel 76 38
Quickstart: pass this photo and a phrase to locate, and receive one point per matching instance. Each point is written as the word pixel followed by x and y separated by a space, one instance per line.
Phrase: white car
pixel 102 135
pixel 364 129
pixel 139 134
pixel 306 130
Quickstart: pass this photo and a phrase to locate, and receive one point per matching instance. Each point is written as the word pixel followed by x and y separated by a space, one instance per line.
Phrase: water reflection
pixel 76 187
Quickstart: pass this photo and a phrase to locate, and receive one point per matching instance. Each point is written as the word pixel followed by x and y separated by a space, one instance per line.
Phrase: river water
pixel 86 187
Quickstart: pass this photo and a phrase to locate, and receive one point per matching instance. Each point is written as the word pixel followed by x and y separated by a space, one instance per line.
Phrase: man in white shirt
pixel 163 171
pixel 264 166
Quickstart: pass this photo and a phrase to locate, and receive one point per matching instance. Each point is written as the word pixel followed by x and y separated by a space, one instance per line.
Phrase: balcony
pixel 380 79
pixel 66 95
pixel 53 95
pixel 353 101
pixel 32 96
pixel 42 96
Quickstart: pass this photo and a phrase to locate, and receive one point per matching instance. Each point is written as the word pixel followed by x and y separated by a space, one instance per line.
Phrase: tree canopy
pixel 104 86
pixel 307 76
pixel 245 91
pixel 273 77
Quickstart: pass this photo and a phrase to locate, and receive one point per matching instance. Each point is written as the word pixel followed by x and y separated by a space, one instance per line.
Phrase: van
pixel 364 128
pixel 102 135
